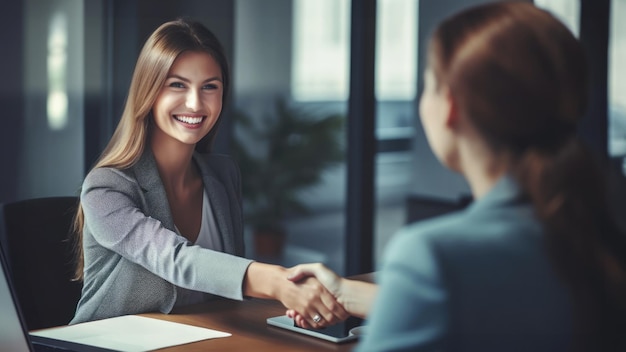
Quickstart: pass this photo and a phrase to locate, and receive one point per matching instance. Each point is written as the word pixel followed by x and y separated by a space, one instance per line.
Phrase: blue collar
pixel 504 191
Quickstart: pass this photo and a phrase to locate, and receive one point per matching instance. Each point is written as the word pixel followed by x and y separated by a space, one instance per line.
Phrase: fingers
pixel 322 309
pixel 327 277
pixel 301 322
pixel 329 311
pixel 301 271
pixel 303 298
pixel 336 311
pixel 298 319
pixel 317 314
pixel 312 294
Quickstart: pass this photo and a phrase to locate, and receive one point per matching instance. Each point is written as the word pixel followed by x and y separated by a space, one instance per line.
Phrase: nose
pixel 192 100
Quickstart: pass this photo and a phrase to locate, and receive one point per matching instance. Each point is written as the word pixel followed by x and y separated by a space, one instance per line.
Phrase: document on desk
pixel 130 333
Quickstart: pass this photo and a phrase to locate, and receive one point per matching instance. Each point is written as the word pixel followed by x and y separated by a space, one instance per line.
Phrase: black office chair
pixel 36 239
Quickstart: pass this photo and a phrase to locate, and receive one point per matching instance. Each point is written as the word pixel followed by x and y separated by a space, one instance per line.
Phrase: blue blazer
pixel 476 280
pixel 134 260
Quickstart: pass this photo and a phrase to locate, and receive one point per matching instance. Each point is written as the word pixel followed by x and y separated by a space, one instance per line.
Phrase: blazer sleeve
pixel 410 310
pixel 111 204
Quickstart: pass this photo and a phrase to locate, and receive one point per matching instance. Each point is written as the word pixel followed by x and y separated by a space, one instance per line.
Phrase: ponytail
pixel 568 191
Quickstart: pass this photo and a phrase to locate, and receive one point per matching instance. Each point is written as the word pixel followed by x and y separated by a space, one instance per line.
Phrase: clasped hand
pixel 320 306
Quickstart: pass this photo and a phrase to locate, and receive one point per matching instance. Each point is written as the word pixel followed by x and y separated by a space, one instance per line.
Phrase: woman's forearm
pixel 261 280
pixel 357 297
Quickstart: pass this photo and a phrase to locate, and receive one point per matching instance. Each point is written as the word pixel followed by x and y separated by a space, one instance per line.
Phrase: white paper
pixel 131 333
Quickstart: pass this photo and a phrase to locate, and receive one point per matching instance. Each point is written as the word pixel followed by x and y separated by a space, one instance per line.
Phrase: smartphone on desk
pixel 348 330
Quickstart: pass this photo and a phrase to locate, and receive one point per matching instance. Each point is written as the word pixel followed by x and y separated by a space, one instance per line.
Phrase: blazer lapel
pixel 156 204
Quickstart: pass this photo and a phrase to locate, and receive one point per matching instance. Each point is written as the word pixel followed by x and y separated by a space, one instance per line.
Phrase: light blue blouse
pixel 475 280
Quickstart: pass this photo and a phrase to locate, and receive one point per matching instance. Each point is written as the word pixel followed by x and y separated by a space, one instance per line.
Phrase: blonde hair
pixel 155 59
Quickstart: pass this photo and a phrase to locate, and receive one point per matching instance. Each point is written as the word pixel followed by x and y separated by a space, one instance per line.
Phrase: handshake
pixel 327 298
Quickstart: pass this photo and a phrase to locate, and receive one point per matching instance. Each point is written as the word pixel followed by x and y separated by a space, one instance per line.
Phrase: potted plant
pixel 280 155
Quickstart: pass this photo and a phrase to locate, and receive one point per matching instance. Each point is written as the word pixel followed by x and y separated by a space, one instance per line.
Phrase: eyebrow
pixel 216 78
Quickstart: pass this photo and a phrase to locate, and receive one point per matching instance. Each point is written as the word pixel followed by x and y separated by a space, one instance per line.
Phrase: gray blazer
pixel 476 280
pixel 134 260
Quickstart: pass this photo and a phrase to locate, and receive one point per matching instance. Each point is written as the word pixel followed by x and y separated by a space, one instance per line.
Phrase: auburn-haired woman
pixel 159 223
pixel 535 263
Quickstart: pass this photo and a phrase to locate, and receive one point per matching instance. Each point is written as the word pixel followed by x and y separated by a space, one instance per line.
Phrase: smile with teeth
pixel 192 120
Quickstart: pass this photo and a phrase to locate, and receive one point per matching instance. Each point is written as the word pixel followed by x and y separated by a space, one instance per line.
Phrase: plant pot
pixel 269 243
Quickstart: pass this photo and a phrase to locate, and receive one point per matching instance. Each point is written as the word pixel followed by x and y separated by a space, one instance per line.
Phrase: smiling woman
pixel 185 110
pixel 160 219
pixel 190 101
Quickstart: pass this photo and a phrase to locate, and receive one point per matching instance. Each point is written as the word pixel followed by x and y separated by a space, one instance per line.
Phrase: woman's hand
pixel 315 305
pixel 326 277
pixel 355 296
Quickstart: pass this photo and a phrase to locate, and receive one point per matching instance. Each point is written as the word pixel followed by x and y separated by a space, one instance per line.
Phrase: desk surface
pixel 245 320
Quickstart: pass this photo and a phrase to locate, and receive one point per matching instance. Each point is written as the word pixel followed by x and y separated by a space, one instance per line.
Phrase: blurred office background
pixel 67 65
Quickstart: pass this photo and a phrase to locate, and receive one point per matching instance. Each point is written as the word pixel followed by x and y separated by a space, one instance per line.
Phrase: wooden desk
pixel 245 320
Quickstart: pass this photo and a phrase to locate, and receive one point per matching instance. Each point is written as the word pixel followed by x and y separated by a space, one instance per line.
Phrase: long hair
pixel 520 76
pixel 131 135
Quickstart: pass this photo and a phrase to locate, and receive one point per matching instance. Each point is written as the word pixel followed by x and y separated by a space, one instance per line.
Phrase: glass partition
pixel 567 11
pixel 617 83
pixel 290 93
pixel 396 90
